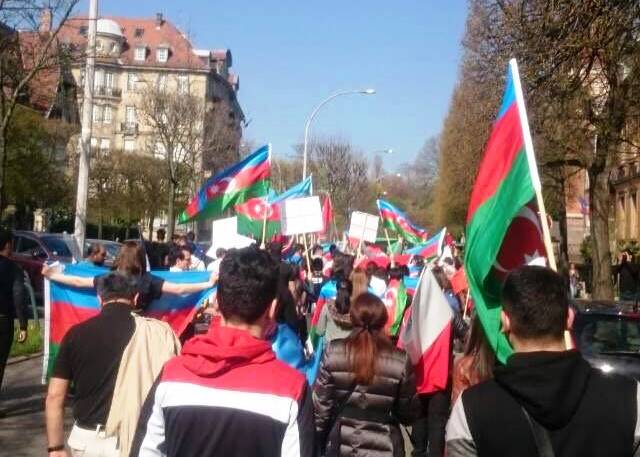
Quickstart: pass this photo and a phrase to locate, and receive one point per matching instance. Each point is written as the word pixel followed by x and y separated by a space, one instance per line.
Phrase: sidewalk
pixel 22 431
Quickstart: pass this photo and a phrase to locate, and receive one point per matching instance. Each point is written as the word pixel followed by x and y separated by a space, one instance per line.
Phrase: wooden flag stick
pixel 306 251
pixel 386 234
pixel 533 166
pixel 264 228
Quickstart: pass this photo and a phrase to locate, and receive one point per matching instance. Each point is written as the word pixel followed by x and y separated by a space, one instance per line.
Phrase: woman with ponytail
pixel 365 388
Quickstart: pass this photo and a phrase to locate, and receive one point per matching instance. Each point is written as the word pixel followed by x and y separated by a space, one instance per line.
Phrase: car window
pixel 26 246
pixel 57 246
pixel 609 334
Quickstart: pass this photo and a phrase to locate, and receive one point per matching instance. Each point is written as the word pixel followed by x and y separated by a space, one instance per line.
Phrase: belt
pixel 87 426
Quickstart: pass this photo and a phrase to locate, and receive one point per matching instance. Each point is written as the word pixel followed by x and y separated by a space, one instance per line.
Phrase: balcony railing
pixel 129 128
pixel 625 173
pixel 106 91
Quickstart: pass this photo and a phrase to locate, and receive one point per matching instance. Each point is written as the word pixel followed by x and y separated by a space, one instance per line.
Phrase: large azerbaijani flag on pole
pixel 263 214
pixel 66 306
pixel 504 229
pixel 395 219
pixel 247 178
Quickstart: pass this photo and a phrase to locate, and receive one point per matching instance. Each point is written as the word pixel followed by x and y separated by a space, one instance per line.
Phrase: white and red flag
pixel 426 335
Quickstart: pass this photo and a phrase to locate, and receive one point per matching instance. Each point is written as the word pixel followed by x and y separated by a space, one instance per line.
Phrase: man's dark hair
pixel 161 234
pixel 535 299
pixel 248 283
pixel 94 248
pixel 220 253
pixel 5 237
pixel 317 264
pixel 191 236
pixel 177 253
pixel 117 285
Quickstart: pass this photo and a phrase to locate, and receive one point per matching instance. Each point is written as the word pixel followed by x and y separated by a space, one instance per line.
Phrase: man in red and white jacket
pixel 226 394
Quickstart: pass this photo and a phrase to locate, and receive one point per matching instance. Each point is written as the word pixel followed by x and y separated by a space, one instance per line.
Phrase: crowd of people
pixel 299 357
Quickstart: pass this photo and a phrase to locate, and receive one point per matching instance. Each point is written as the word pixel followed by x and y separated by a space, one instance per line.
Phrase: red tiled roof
pixel 181 53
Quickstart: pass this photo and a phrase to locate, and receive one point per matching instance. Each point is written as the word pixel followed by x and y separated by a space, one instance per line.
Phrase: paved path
pixel 22 431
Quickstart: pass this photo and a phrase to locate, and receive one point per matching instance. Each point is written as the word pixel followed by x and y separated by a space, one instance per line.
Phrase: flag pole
pixel 533 166
pixel 386 234
pixel 264 225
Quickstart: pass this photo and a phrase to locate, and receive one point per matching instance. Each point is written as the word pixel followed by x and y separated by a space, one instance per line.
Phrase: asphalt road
pixel 22 431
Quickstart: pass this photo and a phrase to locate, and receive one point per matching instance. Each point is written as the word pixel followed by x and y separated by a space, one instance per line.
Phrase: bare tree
pixel 24 55
pixel 176 123
pixel 342 173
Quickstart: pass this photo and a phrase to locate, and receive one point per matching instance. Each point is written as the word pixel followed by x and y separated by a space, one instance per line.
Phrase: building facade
pixel 134 54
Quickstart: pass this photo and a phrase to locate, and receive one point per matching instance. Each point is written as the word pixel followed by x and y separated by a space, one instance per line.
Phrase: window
pixel 140 53
pixel 130 118
pixel 25 245
pixel 99 45
pixel 162 55
pixel 94 143
pixel 97 114
pixel 105 145
pixel 162 82
pixel 107 116
pixel 132 81
pixel 83 30
pixel 183 84
pixel 129 145
pixel 139 32
pixel 98 79
pixel 108 79
pixel 115 49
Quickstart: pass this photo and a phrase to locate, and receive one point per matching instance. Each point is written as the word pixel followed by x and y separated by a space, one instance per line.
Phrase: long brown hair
pixel 131 259
pixel 478 347
pixel 368 316
pixel 360 284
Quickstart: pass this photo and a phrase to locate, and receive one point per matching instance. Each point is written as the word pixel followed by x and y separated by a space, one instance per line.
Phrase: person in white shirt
pixel 215 265
pixel 180 259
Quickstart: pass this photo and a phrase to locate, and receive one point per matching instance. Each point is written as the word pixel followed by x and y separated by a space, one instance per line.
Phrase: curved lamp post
pixel 313 115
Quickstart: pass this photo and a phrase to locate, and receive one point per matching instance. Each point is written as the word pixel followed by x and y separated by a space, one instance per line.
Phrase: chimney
pixel 46 20
pixel 159 20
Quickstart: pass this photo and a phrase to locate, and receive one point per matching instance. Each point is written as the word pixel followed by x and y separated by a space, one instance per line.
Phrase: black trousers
pixel 6 339
pixel 427 433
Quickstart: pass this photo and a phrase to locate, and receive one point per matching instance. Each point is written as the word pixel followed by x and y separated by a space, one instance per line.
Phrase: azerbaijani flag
pixel 426 335
pixel 66 306
pixel 256 212
pixel 247 178
pixel 503 230
pixel 396 220
pixel 432 248
pixel 395 299
pixel 328 292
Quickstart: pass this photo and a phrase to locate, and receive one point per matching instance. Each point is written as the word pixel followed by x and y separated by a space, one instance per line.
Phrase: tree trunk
pixel 100 223
pixel 3 169
pixel 602 285
pixel 152 218
pixel 171 210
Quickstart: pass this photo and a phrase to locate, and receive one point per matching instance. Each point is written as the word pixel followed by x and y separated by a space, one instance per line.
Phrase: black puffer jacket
pixel 368 416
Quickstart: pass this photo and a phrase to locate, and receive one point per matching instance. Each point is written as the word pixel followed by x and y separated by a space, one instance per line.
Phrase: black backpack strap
pixel 540 436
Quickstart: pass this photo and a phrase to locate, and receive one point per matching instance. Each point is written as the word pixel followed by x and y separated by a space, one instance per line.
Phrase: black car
pixel 608 336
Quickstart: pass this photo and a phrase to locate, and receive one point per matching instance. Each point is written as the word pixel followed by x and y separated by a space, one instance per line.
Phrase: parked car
pixel 112 248
pixel 608 335
pixel 32 249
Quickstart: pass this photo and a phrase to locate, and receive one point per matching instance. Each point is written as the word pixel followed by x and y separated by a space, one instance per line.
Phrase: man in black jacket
pixel 11 300
pixel 546 401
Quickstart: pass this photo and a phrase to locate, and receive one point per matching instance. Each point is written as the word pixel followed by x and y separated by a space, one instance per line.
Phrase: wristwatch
pixel 59 447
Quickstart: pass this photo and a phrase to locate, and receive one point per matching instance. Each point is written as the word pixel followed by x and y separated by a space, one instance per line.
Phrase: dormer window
pixel 140 53
pixel 139 32
pixel 162 54
pixel 83 30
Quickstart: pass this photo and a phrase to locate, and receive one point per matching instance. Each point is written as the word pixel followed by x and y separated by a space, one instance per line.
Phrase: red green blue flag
pixel 503 229
pixel 395 219
pixel 432 248
pixel 66 306
pixel 241 181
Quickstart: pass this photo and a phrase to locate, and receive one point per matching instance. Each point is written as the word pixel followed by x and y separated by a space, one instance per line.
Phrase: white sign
pixel 363 227
pixel 301 215
pixel 224 234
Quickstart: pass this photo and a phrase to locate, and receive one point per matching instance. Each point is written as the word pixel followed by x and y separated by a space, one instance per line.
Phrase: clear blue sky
pixel 290 54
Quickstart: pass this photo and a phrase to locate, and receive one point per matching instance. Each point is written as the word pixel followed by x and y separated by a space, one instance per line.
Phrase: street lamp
pixel 313 115
pixel 383 151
